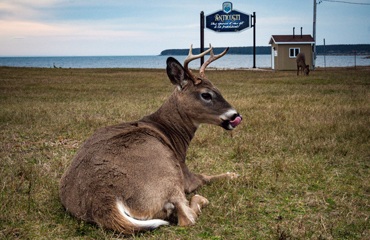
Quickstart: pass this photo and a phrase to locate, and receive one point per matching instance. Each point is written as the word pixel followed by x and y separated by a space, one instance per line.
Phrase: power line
pixel 357 3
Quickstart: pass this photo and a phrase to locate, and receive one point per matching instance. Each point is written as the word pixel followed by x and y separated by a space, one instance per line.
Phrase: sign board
pixel 228 20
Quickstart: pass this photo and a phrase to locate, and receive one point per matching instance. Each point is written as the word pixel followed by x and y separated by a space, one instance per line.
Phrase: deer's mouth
pixel 231 123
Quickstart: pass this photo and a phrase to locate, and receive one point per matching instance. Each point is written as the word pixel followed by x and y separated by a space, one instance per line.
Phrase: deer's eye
pixel 206 96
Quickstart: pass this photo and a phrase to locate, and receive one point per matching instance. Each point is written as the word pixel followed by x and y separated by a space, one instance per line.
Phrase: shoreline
pixel 159 62
pixel 318 68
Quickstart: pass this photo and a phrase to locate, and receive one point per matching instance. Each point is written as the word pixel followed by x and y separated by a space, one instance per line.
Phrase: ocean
pixel 227 62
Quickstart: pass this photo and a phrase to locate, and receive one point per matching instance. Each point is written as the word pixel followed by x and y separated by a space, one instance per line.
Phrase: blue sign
pixel 228 20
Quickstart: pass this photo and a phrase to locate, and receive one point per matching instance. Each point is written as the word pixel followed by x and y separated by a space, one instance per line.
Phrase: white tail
pixel 140 224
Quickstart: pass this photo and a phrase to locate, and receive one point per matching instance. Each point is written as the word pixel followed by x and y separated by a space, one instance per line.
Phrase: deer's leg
pixel 198 180
pixel 194 181
pixel 186 214
pixel 228 175
pixel 197 202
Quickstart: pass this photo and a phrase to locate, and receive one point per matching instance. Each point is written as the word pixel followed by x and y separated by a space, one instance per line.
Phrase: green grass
pixel 302 151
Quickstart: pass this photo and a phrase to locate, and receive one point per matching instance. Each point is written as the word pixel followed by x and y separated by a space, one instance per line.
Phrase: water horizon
pixel 229 61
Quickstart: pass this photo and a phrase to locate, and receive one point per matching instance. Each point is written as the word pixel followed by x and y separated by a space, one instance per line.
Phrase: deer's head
pixel 198 98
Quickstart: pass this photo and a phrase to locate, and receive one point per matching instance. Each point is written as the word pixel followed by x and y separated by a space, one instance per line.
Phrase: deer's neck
pixel 174 124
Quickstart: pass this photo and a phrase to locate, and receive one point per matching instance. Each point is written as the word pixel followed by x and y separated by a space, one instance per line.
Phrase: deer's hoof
pixel 202 201
pixel 232 175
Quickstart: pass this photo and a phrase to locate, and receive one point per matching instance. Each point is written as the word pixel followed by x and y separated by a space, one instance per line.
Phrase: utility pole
pixel 314 33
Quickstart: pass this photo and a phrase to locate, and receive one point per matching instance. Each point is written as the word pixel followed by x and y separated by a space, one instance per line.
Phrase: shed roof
pixel 292 39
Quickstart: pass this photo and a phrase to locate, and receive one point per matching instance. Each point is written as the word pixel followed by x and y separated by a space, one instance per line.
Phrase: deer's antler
pixel 192 57
pixel 210 59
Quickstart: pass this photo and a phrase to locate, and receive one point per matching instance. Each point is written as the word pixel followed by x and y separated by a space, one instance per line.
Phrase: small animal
pixel 301 64
pixel 133 176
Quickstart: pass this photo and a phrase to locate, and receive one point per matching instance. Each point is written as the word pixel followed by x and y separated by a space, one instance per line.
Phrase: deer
pixel 301 64
pixel 132 177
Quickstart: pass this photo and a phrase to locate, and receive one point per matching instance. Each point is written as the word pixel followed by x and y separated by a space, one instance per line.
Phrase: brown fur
pixel 301 64
pixel 142 163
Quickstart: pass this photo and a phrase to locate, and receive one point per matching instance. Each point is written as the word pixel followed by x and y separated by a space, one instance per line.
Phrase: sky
pixel 138 27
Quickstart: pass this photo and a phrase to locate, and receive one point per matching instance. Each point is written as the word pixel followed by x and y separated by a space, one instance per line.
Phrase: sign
pixel 228 20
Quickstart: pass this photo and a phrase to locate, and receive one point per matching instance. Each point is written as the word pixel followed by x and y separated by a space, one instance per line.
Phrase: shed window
pixel 293 52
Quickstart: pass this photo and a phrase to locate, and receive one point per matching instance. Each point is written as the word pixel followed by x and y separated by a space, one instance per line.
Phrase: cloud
pixel 94 27
pixel 12 10
pixel 37 38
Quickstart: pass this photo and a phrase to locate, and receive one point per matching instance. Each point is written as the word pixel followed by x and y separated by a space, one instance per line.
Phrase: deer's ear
pixel 176 73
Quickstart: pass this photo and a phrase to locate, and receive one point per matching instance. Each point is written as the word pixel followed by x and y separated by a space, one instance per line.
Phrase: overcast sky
pixel 138 27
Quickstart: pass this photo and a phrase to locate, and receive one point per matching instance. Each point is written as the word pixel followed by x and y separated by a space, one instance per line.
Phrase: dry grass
pixel 303 151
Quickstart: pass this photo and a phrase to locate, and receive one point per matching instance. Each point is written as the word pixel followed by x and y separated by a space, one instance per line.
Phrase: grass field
pixel 302 151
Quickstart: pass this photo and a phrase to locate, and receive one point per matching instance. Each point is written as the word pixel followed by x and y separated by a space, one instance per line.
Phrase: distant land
pixel 339 49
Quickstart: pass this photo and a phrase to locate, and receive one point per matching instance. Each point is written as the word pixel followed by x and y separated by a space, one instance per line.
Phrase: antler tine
pixel 211 59
pixel 192 57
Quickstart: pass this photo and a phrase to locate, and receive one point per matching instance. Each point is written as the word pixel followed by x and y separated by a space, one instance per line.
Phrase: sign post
pixel 254 39
pixel 229 20
pixel 201 36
